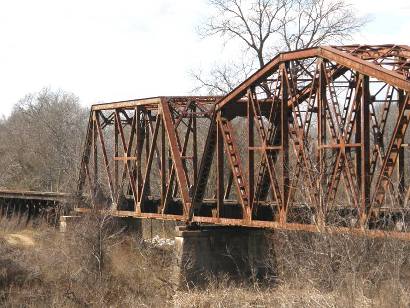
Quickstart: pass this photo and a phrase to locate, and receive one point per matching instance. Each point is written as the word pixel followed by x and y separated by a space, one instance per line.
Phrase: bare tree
pixel 309 23
pixel 264 27
pixel 224 77
pixel 41 142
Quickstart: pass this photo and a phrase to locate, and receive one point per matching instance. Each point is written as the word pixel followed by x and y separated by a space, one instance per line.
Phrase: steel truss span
pixel 315 140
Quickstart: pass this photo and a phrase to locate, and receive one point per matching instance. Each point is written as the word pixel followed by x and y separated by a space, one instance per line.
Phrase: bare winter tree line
pixel 41 142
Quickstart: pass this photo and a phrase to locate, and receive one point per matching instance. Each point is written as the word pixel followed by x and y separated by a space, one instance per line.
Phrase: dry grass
pixel 63 271
pixel 353 267
pixel 245 296
pixel 319 271
pixel 98 264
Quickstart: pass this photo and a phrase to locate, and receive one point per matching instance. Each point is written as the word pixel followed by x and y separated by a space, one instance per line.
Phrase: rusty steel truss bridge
pixel 315 141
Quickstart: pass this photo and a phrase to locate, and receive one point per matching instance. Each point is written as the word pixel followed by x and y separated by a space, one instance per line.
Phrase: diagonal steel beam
pixel 176 157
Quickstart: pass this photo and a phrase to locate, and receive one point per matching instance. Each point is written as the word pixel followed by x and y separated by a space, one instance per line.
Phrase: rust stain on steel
pixel 313 141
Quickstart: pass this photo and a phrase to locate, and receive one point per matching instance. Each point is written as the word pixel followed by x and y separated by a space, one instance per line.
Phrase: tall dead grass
pixel 96 264
pixel 319 270
pixel 99 263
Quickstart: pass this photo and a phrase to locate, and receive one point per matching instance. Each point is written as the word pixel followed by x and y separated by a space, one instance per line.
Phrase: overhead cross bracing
pixel 315 140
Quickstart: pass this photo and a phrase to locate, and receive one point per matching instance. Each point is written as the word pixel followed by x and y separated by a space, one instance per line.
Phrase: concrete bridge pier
pixel 241 253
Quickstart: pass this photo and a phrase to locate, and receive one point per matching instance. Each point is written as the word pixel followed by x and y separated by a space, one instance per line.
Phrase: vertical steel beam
pixel 251 150
pixel 194 146
pixel 138 150
pixel 163 163
pixel 220 172
pixel 147 148
pixel 90 185
pixel 95 153
pixel 401 158
pixel 365 149
pixel 284 121
pixel 321 139
pixel 358 134
pixel 117 122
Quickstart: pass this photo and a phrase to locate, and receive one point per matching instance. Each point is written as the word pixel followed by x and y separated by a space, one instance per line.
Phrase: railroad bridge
pixel 314 141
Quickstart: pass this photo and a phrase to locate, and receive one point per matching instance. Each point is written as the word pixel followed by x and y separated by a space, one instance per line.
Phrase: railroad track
pixel 23 206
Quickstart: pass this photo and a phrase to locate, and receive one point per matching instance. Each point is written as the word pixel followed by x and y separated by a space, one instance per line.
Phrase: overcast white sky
pixel 114 50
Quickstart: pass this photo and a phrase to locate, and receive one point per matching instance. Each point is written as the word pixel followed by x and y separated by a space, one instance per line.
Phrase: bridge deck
pixel 18 196
pixel 35 195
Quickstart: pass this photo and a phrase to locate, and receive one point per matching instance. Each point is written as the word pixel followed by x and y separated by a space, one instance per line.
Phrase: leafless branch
pixel 265 27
